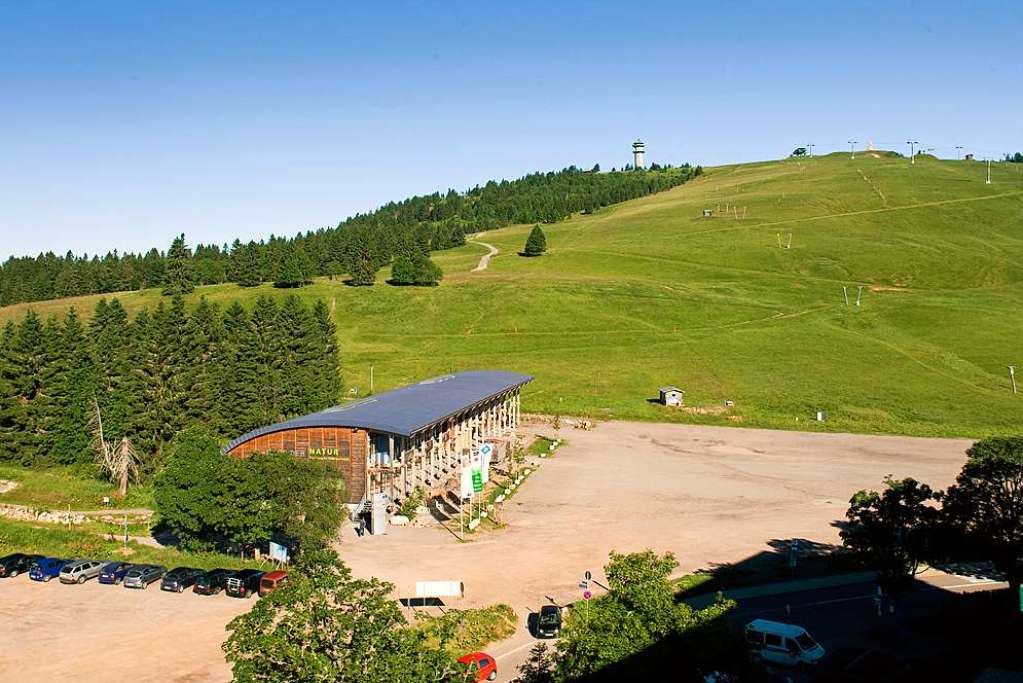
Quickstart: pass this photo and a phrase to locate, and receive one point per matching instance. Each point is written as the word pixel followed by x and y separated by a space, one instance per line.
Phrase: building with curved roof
pixel 418 436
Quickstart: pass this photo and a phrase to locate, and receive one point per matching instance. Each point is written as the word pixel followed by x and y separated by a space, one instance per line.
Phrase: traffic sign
pixel 477 480
pixel 486 450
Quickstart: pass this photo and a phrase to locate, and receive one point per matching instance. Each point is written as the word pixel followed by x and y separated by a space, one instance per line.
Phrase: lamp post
pixel 959 152
pixel 912 156
pixel 810 146
pixel 988 171
pixel 852 148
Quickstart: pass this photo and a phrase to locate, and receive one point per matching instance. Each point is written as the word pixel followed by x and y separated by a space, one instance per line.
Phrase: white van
pixel 778 643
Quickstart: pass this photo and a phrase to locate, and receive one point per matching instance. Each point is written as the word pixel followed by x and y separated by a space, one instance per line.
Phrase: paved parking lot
pixel 707 494
pixel 95 632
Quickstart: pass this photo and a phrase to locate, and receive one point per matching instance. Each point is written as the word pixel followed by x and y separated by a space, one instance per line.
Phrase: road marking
pixel 513 651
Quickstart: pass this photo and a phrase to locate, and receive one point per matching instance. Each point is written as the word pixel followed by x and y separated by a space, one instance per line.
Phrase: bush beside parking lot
pixel 469 630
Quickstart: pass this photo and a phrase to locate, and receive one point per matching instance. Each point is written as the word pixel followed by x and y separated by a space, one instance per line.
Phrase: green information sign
pixel 1021 598
pixel 477 481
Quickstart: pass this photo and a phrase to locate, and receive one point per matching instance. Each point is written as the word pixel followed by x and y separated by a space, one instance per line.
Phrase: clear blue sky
pixel 126 123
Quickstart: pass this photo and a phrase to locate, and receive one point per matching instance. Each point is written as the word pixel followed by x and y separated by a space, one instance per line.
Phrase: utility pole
pixel 988 171
pixel 810 146
pixel 859 295
pixel 959 152
pixel 1012 377
pixel 852 148
pixel 912 156
pixel 845 294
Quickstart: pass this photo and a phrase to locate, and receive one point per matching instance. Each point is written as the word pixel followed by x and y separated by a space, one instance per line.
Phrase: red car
pixel 481 664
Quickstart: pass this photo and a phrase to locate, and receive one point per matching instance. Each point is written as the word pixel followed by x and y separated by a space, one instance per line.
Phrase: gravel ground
pixel 708 494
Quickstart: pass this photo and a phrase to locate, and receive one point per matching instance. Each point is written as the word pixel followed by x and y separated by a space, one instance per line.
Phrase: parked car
pixel 548 622
pixel 46 568
pixel 271 581
pixel 12 565
pixel 481 665
pixel 114 572
pixel 779 643
pixel 140 576
pixel 80 571
pixel 180 578
pixel 213 581
pixel 244 583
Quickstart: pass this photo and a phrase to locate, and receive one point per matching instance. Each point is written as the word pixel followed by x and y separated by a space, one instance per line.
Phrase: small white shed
pixel 672 396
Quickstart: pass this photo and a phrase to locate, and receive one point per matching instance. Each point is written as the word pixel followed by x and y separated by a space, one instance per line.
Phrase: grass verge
pixel 57 541
pixel 470 630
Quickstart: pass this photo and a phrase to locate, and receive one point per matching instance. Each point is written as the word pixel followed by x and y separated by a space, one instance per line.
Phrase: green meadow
pixel 650 292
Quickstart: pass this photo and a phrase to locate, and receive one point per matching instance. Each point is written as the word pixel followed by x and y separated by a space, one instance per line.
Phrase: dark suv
pixel 12 565
pixel 548 622
pixel 212 582
pixel 244 583
pixel 180 578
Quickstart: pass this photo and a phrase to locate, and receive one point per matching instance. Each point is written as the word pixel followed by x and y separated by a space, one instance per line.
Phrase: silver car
pixel 142 575
pixel 80 571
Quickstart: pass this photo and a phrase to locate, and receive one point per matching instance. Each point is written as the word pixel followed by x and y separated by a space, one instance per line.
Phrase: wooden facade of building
pixel 345 448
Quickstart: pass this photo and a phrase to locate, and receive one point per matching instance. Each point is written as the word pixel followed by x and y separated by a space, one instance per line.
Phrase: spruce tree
pixel 9 403
pixel 268 339
pixel 402 271
pixel 536 243
pixel 206 335
pixel 28 359
pixel 292 268
pixel 115 354
pixel 74 387
pixel 238 397
pixel 328 365
pixel 298 358
pixel 179 277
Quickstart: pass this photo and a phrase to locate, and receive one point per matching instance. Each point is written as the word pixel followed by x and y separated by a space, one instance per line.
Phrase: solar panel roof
pixel 408 410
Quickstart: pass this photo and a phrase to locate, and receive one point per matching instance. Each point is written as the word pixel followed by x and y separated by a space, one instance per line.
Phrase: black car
pixel 244 583
pixel 180 578
pixel 548 622
pixel 114 572
pixel 12 565
pixel 213 581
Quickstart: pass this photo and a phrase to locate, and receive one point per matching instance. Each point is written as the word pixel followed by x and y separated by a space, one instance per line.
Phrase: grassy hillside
pixel 649 292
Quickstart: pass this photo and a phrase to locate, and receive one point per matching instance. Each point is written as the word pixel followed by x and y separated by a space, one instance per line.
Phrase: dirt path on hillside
pixel 485 259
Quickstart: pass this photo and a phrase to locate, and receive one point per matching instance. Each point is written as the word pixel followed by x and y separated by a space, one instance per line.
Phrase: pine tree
pixel 115 354
pixel 402 271
pixel 298 370
pixel 206 334
pixel 268 339
pixel 25 372
pixel 328 366
pixel 536 244
pixel 74 388
pixel 361 257
pixel 238 403
pixel 292 271
pixel 9 402
pixel 179 277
